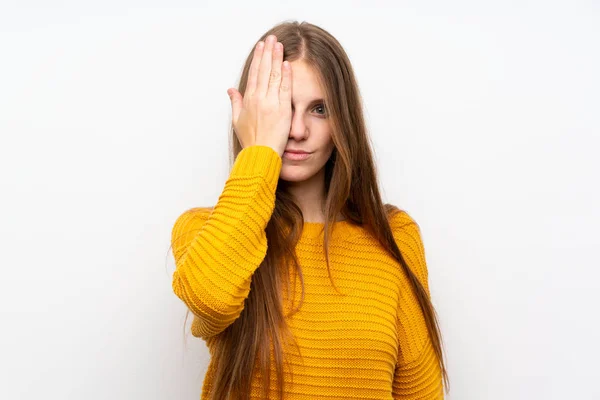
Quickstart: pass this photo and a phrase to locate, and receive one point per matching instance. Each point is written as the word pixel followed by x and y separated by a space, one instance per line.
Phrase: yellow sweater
pixel 370 344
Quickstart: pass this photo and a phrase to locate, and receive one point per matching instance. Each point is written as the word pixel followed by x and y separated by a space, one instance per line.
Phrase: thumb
pixel 236 103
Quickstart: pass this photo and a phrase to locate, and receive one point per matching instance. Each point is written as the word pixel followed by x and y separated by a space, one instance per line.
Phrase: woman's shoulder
pixel 398 218
pixel 400 221
pixel 408 237
pixel 189 219
pixel 198 212
pixel 195 213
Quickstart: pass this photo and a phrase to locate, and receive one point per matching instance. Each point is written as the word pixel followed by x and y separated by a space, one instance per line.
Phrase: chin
pixel 288 174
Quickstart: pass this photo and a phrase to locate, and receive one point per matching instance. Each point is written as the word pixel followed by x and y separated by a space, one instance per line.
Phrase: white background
pixel 113 121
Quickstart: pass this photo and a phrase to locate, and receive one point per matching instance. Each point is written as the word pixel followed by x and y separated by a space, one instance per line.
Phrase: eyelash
pixel 323 114
pixel 323 107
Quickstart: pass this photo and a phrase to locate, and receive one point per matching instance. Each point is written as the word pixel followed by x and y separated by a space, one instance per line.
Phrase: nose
pixel 298 129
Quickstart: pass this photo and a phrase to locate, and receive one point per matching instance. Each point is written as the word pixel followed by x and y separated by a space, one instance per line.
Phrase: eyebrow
pixel 315 102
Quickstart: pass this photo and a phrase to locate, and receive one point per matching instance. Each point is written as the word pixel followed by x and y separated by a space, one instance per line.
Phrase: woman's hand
pixel 263 116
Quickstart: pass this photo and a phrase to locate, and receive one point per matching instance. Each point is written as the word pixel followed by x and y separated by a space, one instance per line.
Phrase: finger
pixel 275 77
pixel 236 104
pixel 285 89
pixel 264 70
pixel 253 72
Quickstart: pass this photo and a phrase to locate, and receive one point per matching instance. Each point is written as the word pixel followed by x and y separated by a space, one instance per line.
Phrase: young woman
pixel 301 213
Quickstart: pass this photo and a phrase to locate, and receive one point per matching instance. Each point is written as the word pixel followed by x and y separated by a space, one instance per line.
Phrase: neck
pixel 310 196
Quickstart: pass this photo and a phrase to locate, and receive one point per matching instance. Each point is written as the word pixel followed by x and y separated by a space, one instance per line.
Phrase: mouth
pixel 297 151
pixel 296 155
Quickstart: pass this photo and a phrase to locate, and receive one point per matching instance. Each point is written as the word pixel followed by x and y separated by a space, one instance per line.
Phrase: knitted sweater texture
pixel 369 343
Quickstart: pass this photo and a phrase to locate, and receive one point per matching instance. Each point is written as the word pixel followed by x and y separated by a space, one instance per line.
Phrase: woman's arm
pixel 216 253
pixel 418 373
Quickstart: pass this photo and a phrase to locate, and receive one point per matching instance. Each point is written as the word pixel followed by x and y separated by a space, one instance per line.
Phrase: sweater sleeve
pixel 418 373
pixel 217 252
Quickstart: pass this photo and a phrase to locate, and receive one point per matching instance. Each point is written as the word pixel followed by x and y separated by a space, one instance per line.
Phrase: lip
pixel 297 151
pixel 296 156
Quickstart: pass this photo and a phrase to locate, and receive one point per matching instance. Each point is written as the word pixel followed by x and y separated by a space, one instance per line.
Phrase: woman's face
pixel 310 129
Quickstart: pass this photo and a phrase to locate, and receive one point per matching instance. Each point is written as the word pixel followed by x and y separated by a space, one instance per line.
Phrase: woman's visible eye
pixel 322 108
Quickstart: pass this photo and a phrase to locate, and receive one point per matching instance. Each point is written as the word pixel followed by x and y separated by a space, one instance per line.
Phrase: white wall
pixel 113 120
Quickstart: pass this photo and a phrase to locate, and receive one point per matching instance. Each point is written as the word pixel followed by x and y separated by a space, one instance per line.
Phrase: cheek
pixel 324 155
pixel 319 125
pixel 328 145
pixel 322 134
